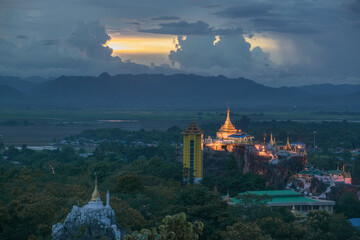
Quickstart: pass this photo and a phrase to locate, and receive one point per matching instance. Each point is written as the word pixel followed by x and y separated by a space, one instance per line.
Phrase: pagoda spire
pixel 228 115
pixel 288 147
pixel 271 139
pixel 95 195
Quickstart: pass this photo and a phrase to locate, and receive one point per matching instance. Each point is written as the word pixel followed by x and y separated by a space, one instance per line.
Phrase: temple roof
pixel 192 129
pixel 228 126
pixel 238 136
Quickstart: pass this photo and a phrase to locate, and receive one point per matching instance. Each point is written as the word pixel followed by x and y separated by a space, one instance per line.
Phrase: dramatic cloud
pixel 165 18
pixel 82 53
pixel 272 16
pixel 292 42
pixel 89 39
pixel 184 28
pixel 231 56
pixel 247 10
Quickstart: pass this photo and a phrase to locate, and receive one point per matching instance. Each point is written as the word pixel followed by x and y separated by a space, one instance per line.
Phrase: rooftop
pixel 312 172
pixel 192 129
pixel 238 135
pixel 335 171
pixel 273 193
pixel 284 198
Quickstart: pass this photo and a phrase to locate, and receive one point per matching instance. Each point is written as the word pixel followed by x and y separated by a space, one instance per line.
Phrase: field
pixel 44 126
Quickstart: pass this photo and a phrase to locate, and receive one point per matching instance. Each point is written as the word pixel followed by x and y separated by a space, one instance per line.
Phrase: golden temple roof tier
pixel 192 129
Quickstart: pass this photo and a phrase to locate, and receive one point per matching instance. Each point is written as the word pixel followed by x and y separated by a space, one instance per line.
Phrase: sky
pixel 273 42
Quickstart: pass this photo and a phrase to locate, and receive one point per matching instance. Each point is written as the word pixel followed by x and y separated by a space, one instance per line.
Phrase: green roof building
pixel 288 199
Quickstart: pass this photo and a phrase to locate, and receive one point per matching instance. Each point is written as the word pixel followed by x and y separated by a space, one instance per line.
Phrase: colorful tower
pixel 192 152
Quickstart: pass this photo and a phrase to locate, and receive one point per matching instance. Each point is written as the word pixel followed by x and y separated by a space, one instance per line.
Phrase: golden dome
pixel 95 195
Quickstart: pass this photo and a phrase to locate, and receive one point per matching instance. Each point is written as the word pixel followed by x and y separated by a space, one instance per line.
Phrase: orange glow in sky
pixel 155 48
pixel 142 45
pixel 266 44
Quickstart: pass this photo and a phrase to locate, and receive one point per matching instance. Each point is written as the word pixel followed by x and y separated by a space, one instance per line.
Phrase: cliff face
pixel 275 174
pixel 87 223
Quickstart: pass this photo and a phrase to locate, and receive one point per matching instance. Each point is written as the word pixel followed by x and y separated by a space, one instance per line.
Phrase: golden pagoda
pixel 288 147
pixel 95 195
pixel 192 152
pixel 228 136
pixel 227 129
pixel 272 142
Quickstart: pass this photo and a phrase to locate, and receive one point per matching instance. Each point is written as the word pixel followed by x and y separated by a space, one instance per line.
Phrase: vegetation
pixel 39 188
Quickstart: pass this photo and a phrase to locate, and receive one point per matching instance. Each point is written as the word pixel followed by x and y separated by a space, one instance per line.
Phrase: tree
pixel 129 183
pixel 243 231
pixel 243 123
pixel 177 228
pixel 322 225
pixel 349 205
pixel 198 203
pixel 276 228
pixel 231 165
pixel 174 227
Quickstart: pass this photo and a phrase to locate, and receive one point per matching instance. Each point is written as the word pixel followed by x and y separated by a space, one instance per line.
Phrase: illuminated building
pixel 228 136
pixel 192 152
pixel 227 129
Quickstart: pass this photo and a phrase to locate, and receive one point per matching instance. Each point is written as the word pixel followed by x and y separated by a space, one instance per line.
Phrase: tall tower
pixel 192 152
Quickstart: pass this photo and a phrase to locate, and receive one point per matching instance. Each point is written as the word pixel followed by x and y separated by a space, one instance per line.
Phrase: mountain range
pixel 179 91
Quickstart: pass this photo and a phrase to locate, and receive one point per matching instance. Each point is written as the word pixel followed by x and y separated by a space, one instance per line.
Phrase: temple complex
pixel 228 136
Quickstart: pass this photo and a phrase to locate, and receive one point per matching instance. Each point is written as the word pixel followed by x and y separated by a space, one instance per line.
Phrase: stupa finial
pixel 95 195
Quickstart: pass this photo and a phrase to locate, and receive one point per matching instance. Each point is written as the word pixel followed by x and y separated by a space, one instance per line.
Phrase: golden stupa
pixel 95 195
pixel 227 129
pixel 288 147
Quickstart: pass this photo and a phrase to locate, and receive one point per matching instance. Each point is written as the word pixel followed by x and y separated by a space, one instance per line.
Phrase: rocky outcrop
pixel 275 174
pixel 88 222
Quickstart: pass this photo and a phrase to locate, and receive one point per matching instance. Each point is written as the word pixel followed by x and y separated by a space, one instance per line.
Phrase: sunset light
pixel 142 45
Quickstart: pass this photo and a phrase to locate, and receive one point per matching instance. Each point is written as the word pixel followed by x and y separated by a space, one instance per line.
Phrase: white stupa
pixel 98 218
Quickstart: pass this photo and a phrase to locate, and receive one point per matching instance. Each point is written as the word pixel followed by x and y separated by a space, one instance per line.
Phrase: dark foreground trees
pixel 174 227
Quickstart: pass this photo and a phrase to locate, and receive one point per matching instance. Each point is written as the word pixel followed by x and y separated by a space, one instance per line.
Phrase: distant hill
pixel 329 89
pixel 178 90
pixel 10 96
pixel 17 83
pixel 185 91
